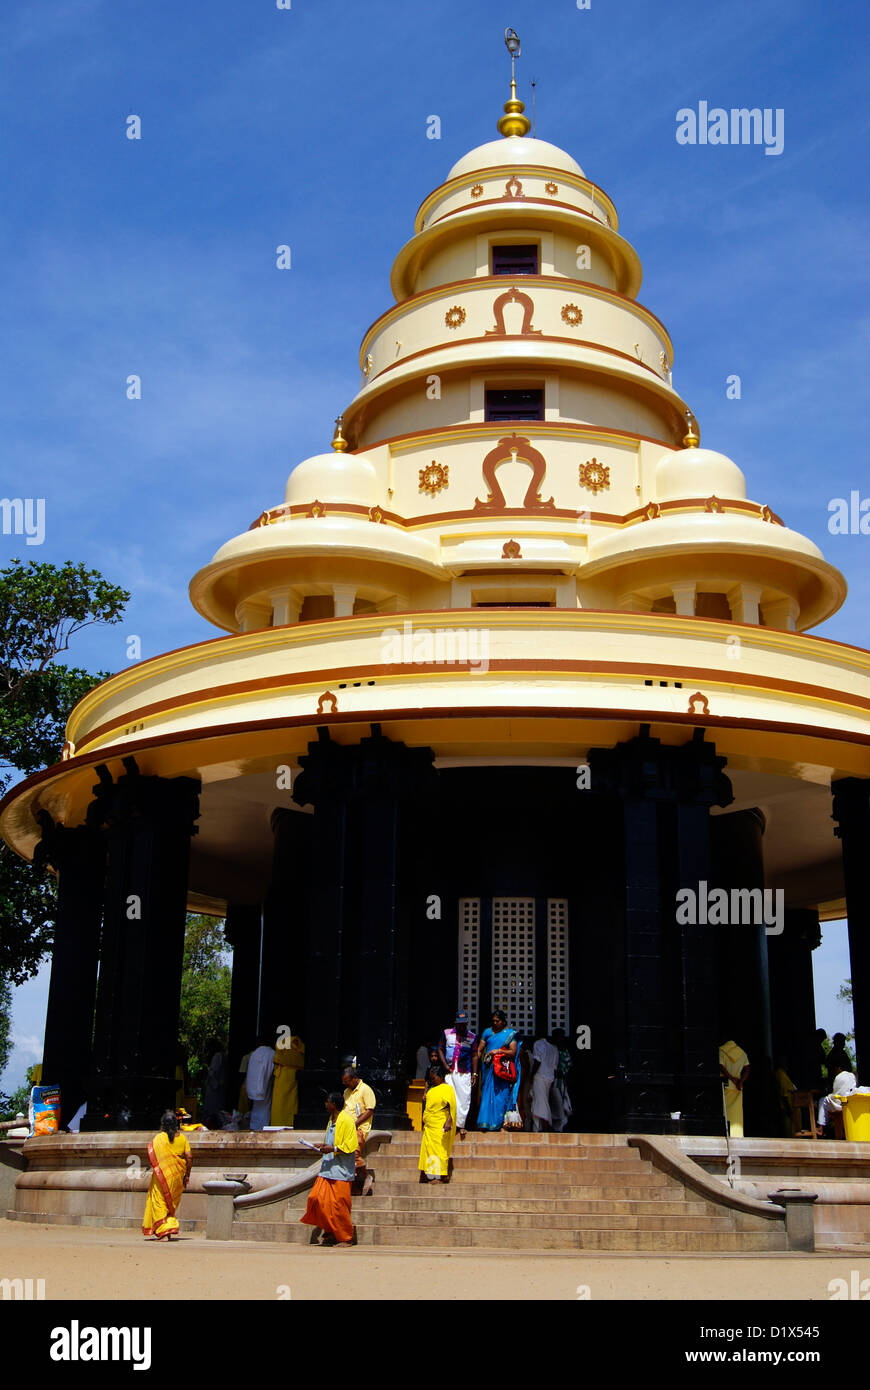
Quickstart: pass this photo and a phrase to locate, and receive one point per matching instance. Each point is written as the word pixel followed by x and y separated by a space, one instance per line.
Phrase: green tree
pixel 17 1103
pixel 205 989
pixel 42 607
pixel 845 993
pixel 5 1024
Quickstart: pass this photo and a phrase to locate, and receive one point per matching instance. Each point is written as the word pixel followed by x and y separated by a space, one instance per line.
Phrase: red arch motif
pixel 508 447
pixel 513 296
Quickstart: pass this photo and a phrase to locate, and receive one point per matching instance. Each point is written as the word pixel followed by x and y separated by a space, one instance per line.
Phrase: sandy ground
pixel 78 1263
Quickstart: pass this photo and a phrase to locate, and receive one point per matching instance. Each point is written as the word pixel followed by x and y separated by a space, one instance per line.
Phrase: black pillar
pixel 391 781
pixel 283 994
pixel 668 1057
pixel 324 783
pixel 363 847
pixel 150 824
pixel 792 996
pixel 744 989
pixel 700 784
pixel 242 931
pixel 852 812
pixel 79 856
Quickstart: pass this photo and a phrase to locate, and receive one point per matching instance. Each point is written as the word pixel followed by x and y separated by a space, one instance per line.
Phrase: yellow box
pixel 856 1118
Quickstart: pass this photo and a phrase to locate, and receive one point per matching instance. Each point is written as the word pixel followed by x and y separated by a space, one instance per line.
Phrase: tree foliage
pixel 17 1103
pixel 205 989
pixel 845 993
pixel 5 1024
pixel 42 607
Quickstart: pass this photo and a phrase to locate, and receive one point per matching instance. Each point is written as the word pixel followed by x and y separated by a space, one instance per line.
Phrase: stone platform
pixel 101 1179
pixel 509 1191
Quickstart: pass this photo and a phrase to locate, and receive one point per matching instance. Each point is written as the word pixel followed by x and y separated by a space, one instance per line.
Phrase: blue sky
pixel 307 126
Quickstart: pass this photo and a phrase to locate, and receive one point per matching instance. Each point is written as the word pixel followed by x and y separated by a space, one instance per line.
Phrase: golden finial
pixel 691 439
pixel 513 122
pixel 339 443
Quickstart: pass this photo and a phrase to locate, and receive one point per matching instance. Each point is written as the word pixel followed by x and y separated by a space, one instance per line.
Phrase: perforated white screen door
pixel 513 960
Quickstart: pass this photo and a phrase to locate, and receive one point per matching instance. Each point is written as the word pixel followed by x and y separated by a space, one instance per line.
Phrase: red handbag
pixel 503 1066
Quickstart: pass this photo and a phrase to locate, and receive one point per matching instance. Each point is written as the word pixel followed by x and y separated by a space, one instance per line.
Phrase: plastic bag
pixel 43 1111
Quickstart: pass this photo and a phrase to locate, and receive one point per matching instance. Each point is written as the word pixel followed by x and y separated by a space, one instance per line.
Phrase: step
pixel 507 1144
pixel 539 1208
pixel 532 1183
pixel 519 1221
pixel 506 1238
pixel 521 1165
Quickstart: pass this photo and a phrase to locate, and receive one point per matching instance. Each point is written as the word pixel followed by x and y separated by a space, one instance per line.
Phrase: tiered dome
pixel 517 403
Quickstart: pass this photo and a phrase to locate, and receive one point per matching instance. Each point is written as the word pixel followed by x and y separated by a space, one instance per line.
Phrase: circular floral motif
pixel 551 188
pixel 477 190
pixel 455 316
pixel 434 477
pixel 572 314
pixel 594 475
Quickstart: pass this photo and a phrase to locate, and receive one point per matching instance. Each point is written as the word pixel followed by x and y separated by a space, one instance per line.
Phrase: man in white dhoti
pixel 545 1060
pixel 258 1082
pixel 455 1053
pixel 560 1101
pixel 845 1082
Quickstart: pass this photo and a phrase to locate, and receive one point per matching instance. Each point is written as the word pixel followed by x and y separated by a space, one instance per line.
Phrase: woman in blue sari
pixel 496 1094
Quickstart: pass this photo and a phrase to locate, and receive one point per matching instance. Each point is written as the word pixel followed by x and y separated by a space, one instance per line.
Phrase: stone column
pixel 744 990
pixel 669 1057
pixel 700 784
pixel 357 985
pixel 324 783
pixel 391 781
pixel 284 997
pixel 792 997
pixel 852 813
pixel 685 597
pixel 150 824
pixel 79 856
pixel 242 931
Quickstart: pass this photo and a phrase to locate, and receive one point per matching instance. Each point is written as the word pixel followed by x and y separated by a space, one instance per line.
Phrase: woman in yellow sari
pixel 289 1059
pixel 439 1128
pixel 733 1070
pixel 169 1156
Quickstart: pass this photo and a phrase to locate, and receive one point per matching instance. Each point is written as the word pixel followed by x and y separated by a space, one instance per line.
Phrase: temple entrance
pixel 513 955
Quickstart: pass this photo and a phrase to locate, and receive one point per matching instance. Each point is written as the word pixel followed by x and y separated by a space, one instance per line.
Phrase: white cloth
pixel 422 1063
pixel 845 1082
pixel 547 1057
pixel 74 1125
pixel 560 1105
pixel 258 1084
pixel 215 1084
pixel 461 1083
pixel 261 1113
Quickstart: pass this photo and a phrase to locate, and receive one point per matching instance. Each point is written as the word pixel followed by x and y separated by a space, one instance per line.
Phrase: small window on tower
pixel 515 405
pixel 515 260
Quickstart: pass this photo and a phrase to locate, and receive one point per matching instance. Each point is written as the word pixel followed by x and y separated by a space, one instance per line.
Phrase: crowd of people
pixel 502 1079
pixel 828 1078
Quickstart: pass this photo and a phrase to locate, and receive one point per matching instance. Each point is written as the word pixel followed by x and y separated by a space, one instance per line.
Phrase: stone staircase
pixel 530 1192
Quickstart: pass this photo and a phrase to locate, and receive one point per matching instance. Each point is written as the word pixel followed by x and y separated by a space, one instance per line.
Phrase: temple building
pixel 506 678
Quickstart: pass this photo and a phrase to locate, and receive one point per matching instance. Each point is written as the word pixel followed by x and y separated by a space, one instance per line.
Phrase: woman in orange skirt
pixel 169 1156
pixel 329 1203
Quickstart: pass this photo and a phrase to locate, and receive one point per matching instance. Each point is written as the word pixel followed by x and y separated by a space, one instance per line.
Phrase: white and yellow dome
pixel 334 477
pixel 696 472
pixel 515 151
